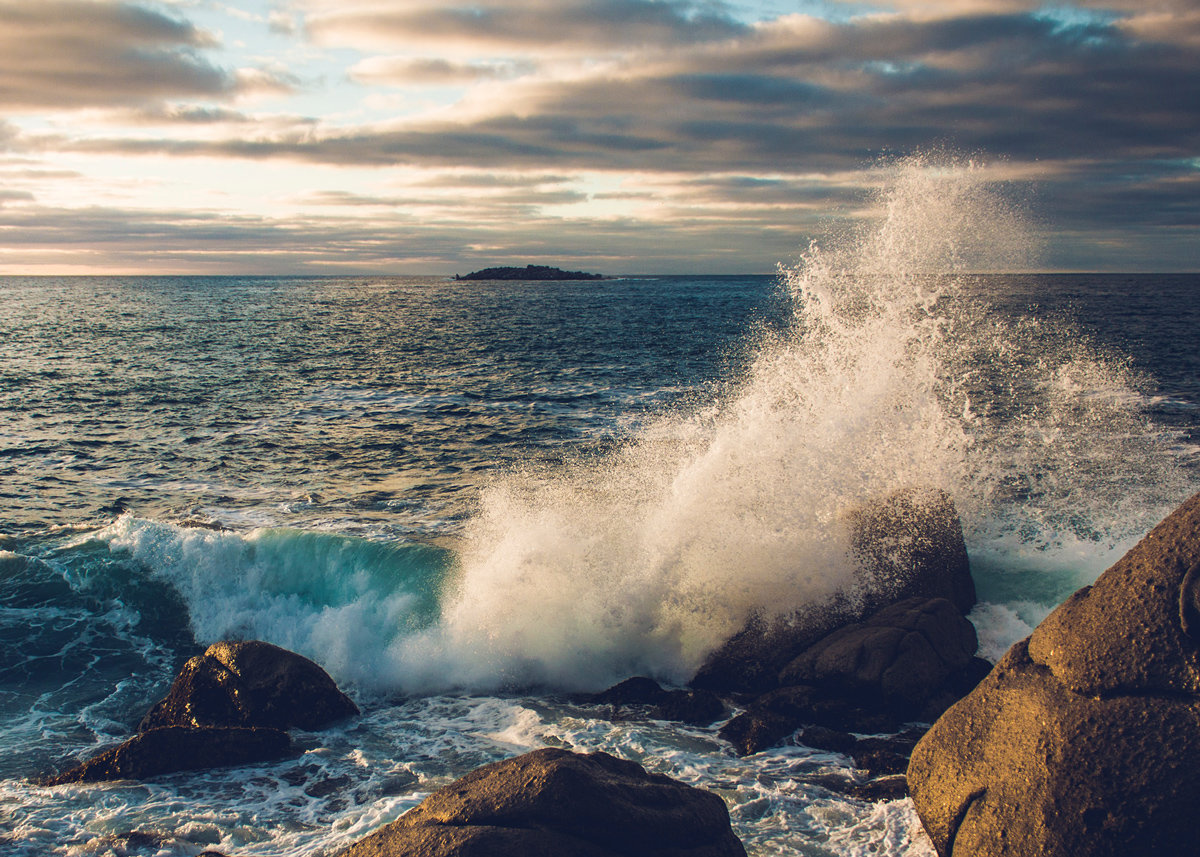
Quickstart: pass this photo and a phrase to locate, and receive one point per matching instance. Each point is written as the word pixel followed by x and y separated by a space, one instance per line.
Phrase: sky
pixel 618 136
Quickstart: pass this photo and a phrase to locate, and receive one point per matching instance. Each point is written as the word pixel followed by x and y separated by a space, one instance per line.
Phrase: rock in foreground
pixel 251 683
pixel 178 748
pixel 554 802
pixel 1084 739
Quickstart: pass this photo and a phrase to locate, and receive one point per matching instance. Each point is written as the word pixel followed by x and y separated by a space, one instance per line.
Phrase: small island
pixel 529 272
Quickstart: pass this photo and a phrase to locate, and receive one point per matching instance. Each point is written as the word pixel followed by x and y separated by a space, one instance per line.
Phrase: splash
pixel 644 560
pixel 892 372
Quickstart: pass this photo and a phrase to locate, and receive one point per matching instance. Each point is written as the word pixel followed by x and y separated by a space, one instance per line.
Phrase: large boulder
pixel 250 683
pixel 553 802
pixel 178 748
pixel 1084 739
pixel 906 545
pixel 909 661
pixel 898 661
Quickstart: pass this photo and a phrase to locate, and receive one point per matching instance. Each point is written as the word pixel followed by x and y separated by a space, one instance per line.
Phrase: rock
pixel 824 738
pixel 906 545
pixel 891 787
pixel 251 684
pixel 698 707
pixel 909 661
pixel 1085 738
pixel 881 762
pixel 895 662
pixel 178 748
pixel 911 545
pixel 776 715
pixel 554 802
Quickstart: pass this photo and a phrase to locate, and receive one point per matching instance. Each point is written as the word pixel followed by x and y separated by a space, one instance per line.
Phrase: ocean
pixel 467 500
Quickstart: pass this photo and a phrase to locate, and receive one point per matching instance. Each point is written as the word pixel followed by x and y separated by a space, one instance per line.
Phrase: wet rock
pixel 178 748
pixel 882 761
pixel 554 802
pixel 911 545
pixel 906 662
pixel 824 738
pixel 897 661
pixel 645 695
pixel 891 787
pixel 775 716
pixel 907 545
pixel 1084 739
pixel 251 683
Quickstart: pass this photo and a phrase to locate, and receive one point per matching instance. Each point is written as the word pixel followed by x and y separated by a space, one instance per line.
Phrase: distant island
pixel 529 272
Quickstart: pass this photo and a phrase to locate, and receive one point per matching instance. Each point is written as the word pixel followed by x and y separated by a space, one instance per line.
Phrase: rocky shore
pixel 1011 766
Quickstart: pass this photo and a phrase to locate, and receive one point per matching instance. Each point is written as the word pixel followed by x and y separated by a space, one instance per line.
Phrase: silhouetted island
pixel 529 272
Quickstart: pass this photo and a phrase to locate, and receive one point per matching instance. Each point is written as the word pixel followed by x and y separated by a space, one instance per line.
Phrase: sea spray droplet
pixel 646 559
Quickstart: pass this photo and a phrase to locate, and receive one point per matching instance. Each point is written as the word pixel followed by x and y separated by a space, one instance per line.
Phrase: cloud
pixel 691 118
pixel 115 239
pixel 71 54
pixel 577 26
pixel 7 196
pixel 394 71
pixel 84 53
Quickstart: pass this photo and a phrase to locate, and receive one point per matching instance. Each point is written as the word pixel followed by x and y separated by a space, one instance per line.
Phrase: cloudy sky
pixel 652 136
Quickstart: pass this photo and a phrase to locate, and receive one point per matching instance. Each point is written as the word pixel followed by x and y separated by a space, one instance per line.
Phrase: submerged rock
pixel 648 698
pixel 178 748
pixel 1085 738
pixel 251 683
pixel 907 545
pixel 554 802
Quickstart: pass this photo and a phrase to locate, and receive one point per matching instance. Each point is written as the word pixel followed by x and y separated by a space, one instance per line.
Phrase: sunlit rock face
pixel 1085 738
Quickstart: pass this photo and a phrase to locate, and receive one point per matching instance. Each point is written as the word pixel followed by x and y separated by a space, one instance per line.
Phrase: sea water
pixel 467 500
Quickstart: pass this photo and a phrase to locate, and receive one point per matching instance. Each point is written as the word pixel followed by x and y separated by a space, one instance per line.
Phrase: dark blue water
pixel 342 398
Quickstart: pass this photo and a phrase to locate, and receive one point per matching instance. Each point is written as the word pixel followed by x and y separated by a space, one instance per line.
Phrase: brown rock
pixel 909 544
pixel 1084 739
pixel 251 683
pixel 896 661
pixel 1137 627
pixel 648 698
pixel 178 748
pixel 776 715
pixel 552 802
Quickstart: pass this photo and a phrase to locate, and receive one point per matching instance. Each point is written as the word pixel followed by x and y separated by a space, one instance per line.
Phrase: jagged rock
pixel 824 738
pixel 890 787
pixel 906 545
pixel 250 683
pixel 697 707
pixel 897 661
pixel 1084 739
pixel 554 802
pixel 909 661
pixel 178 748
pixel 776 715
pixel 911 545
